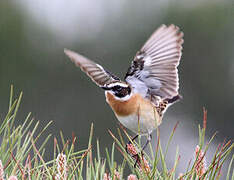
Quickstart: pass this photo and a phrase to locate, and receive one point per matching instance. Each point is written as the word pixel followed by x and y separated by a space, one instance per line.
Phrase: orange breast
pixel 131 106
pixel 123 108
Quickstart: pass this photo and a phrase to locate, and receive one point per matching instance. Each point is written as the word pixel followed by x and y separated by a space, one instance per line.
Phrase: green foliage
pixel 21 155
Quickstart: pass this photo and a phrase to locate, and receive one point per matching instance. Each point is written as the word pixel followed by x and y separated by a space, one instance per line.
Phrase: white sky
pixel 70 18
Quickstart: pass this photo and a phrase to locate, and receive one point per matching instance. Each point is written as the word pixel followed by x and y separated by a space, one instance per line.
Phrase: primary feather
pixel 95 71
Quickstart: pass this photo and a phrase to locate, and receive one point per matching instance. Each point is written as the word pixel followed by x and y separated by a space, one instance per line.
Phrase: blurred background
pixel 33 35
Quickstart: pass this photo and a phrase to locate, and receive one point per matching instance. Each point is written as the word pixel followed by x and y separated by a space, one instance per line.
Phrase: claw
pixel 136 156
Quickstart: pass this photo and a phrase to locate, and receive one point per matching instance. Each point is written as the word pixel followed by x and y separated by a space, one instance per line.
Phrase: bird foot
pixel 131 149
pixel 137 158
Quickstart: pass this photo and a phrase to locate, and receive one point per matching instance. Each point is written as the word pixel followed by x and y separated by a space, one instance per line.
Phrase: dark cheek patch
pixel 123 92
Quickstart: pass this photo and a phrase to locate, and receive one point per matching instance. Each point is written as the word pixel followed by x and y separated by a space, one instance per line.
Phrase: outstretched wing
pixel 155 65
pixel 95 71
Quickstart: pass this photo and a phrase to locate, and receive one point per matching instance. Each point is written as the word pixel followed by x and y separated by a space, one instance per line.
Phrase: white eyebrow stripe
pixel 125 98
pixel 116 84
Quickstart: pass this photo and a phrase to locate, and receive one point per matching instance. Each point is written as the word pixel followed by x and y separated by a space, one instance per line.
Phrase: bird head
pixel 120 90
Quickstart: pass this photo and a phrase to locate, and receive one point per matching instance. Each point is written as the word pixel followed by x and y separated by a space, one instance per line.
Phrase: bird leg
pixel 130 149
pixel 147 142
pixel 133 139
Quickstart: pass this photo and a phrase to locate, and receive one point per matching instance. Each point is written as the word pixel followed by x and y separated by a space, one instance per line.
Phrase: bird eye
pixel 118 87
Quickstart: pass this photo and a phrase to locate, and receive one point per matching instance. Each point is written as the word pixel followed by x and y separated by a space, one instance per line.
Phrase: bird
pixel 150 85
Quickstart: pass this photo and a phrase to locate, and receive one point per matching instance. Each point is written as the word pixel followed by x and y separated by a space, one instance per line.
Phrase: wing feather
pixel 95 71
pixel 156 63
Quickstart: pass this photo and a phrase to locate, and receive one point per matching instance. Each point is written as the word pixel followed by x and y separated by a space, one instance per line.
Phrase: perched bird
pixel 151 83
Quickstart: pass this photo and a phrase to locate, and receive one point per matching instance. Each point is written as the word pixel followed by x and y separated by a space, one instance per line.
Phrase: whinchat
pixel 151 83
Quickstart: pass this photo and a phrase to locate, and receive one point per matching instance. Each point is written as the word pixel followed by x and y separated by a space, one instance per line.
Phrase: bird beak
pixel 105 88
